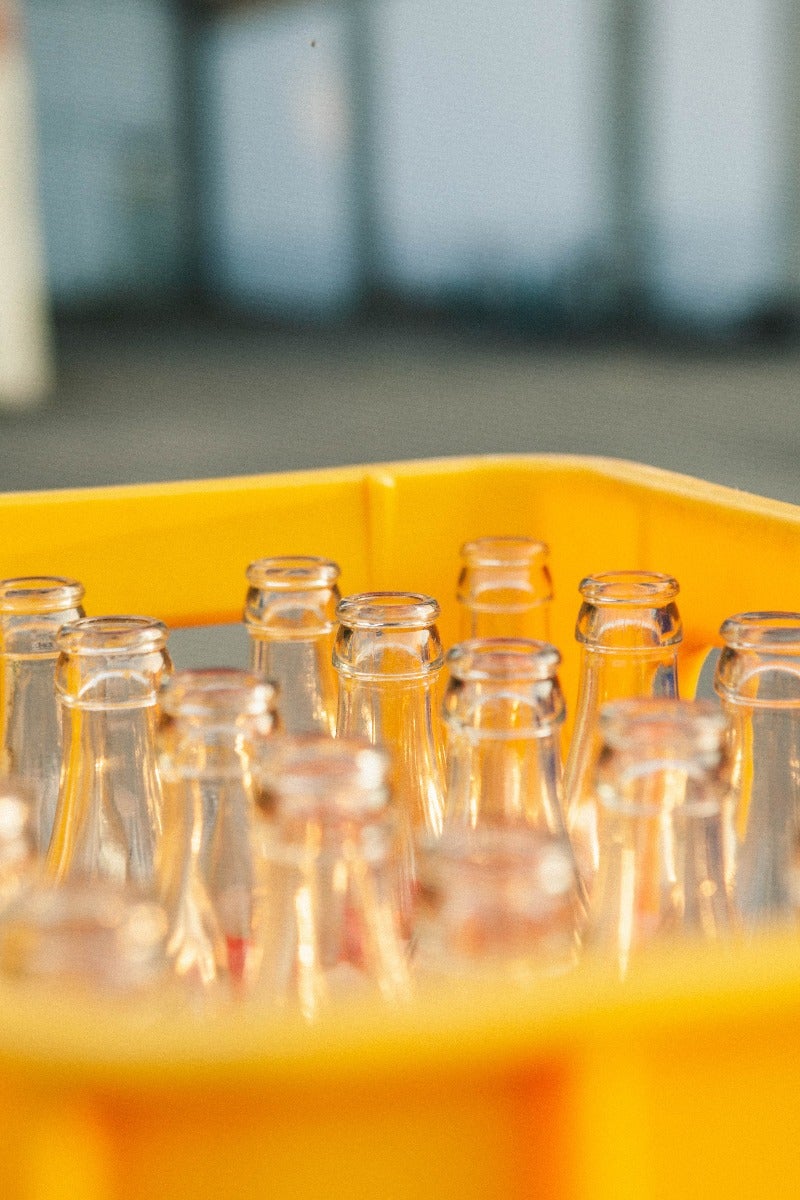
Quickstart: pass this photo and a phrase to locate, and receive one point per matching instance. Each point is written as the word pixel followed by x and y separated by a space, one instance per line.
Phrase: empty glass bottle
pixel 504 589
pixel 326 850
pixel 108 817
pixel 32 610
pixel 388 656
pixel 497 898
pixel 629 630
pixel 290 615
pixel 661 779
pixel 209 722
pixel 758 681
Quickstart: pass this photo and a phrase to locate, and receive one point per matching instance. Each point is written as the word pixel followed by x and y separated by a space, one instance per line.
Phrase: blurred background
pixel 247 237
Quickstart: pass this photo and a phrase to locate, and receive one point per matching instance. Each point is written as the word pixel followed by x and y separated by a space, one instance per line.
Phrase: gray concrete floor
pixel 194 399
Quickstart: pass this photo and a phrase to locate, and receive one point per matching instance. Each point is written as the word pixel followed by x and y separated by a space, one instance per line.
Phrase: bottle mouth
pixel 293 573
pixel 315 773
pixel 532 868
pixel 216 693
pixel 503 659
pixel 769 632
pixel 388 610
pixel 105 636
pixel 667 728
pixel 503 551
pixel 40 594
pixel 630 588
pixel 84 934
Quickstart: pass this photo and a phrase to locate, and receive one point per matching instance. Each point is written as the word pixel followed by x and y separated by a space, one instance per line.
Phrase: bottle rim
pixel 107 635
pixel 40 594
pixel 503 658
pixel 504 551
pixel 540 860
pixel 388 610
pixel 771 631
pixel 293 573
pixel 697 724
pixel 214 692
pixel 632 588
pixel 346 775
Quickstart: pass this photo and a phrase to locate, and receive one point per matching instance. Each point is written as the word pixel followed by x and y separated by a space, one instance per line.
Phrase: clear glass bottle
pixel 388 656
pixel 497 899
pixel 504 589
pixel 209 723
pixel 32 610
pixel 758 681
pixel 629 630
pixel 326 852
pixel 108 817
pixel 661 780
pixel 290 614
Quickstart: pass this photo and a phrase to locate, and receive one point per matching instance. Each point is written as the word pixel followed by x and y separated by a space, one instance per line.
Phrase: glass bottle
pixel 758 681
pixel 108 817
pixel 504 589
pixel 662 777
pixel 290 614
pixel 326 852
pixel 209 721
pixel 388 656
pixel 629 630
pixel 497 899
pixel 32 610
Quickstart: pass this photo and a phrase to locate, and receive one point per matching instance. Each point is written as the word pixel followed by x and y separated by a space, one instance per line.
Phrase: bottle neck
pixel 304 673
pixel 502 778
pixel 504 614
pixel 108 815
pixel 331 929
pixel 764 811
pixel 608 674
pixel 205 873
pixel 401 714
pixel 32 635
pixel 30 735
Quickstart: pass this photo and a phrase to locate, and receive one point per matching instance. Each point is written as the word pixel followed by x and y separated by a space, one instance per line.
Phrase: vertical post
pixel 26 368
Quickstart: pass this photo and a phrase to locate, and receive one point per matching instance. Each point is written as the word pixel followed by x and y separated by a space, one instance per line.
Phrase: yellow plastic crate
pixel 682 1083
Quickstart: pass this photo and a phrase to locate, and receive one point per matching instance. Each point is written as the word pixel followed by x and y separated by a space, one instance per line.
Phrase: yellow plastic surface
pixel 682 1083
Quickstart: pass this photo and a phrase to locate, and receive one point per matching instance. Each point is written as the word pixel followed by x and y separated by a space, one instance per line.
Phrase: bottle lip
pixel 773 632
pixel 504 551
pixel 540 860
pixel 697 725
pixel 85 932
pixel 388 610
pixel 499 659
pixel 216 692
pixel 313 770
pixel 107 635
pixel 293 572
pixel 631 588
pixel 40 594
